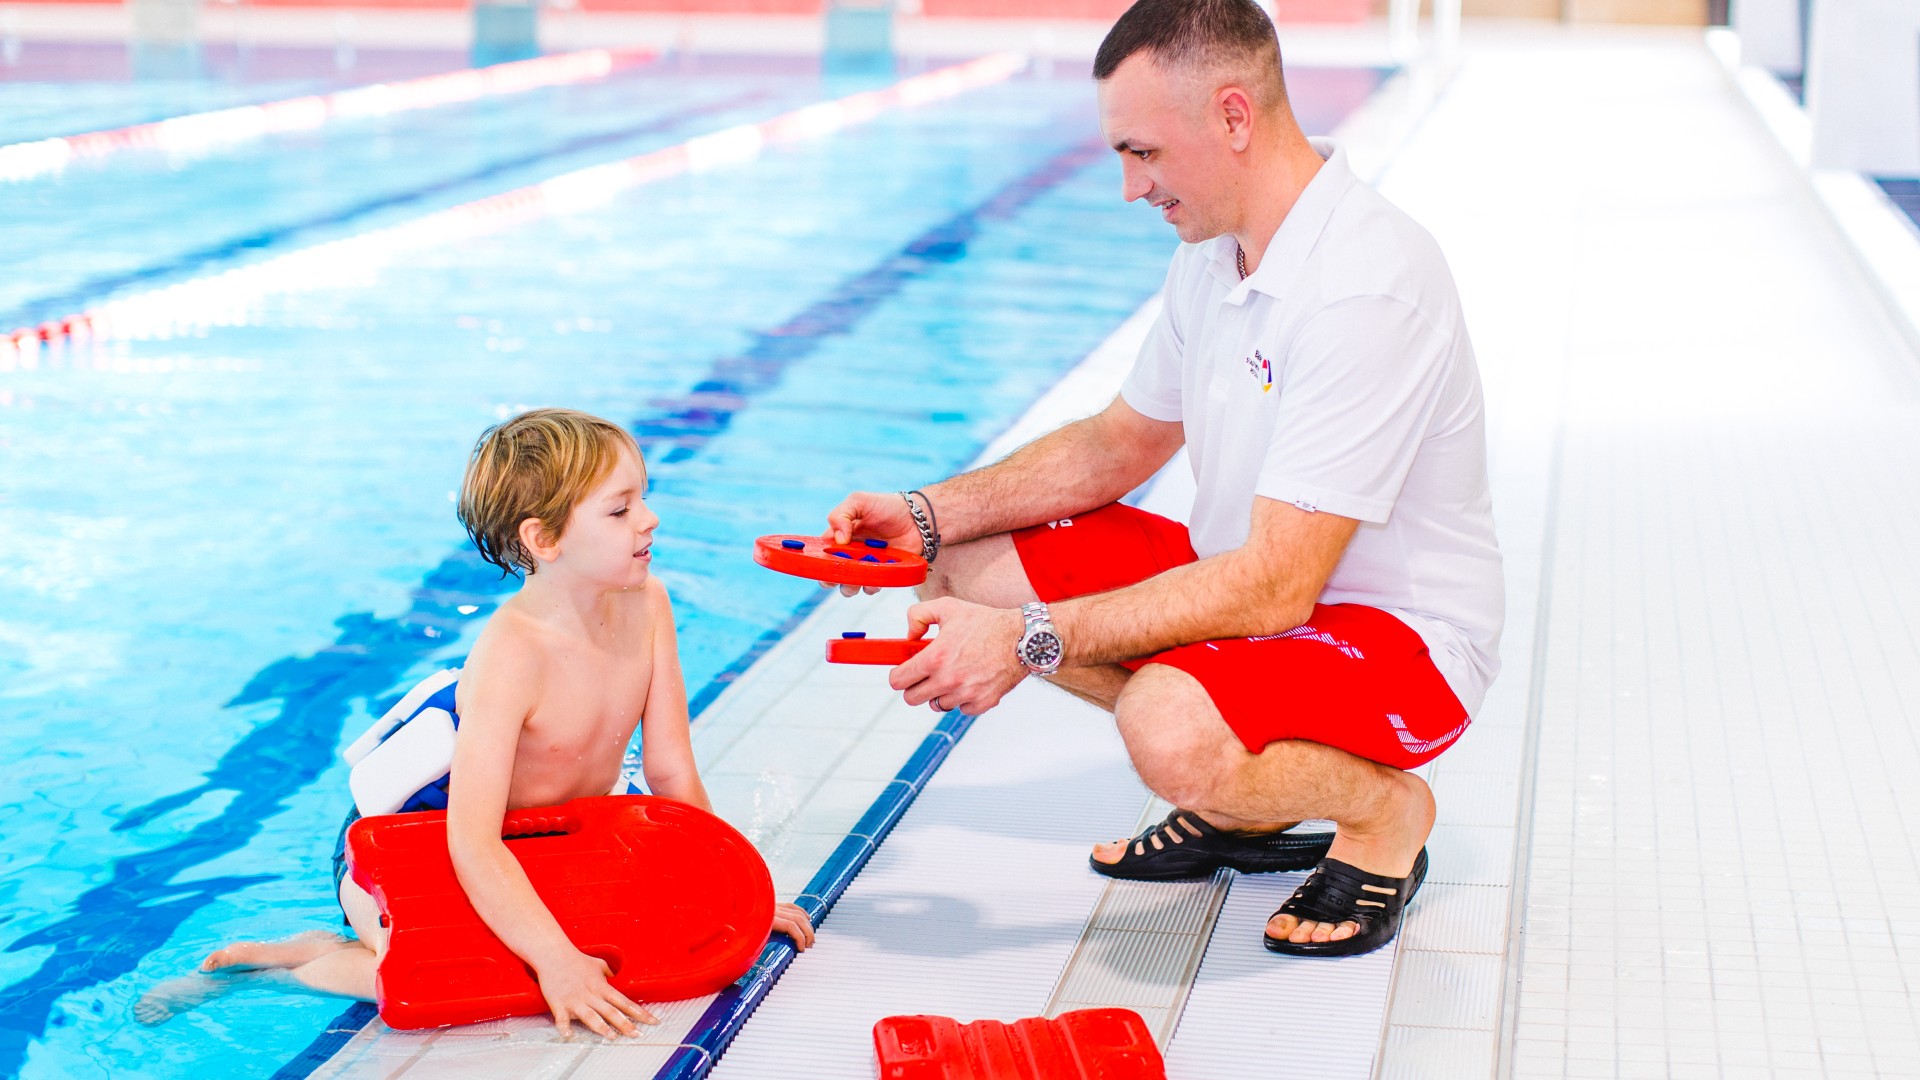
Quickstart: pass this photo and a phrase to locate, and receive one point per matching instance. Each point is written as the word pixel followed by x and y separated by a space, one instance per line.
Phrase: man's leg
pixel 988 571
pixel 1185 753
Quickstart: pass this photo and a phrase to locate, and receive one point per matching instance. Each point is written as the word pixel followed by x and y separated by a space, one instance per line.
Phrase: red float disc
pixel 861 562
pixel 888 651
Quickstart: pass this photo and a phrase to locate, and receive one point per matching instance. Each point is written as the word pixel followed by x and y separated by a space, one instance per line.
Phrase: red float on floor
pixel 1089 1044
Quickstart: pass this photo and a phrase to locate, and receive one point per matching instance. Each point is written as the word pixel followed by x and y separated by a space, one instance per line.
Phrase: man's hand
pixel 872 513
pixel 970 666
pixel 790 920
pixel 576 988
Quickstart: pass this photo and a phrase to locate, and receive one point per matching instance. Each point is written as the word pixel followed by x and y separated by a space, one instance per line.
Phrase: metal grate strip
pixel 1142 945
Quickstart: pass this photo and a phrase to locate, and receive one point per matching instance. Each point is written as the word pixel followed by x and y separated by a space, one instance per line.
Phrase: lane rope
pixel 222 299
pixel 199 134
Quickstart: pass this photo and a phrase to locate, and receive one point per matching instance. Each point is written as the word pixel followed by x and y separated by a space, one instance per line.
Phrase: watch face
pixel 1042 650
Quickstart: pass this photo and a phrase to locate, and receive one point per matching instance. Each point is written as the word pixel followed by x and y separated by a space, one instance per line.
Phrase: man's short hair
pixel 539 464
pixel 1232 38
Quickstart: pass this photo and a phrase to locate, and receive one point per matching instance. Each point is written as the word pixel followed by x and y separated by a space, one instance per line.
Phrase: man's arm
pixel 1085 464
pixel 498 693
pixel 1267 586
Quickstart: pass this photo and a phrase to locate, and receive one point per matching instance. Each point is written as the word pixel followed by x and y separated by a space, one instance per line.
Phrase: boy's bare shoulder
pixel 512 649
pixel 655 603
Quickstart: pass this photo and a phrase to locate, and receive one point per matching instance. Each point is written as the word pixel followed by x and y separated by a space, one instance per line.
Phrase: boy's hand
pixel 576 988
pixel 872 513
pixel 793 922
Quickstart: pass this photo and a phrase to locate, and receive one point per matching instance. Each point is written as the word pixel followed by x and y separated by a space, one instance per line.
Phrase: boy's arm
pixel 665 736
pixel 498 693
pixel 667 740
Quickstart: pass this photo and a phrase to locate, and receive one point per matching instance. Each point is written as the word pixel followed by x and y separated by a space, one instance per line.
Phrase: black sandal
pixel 1339 893
pixel 1186 846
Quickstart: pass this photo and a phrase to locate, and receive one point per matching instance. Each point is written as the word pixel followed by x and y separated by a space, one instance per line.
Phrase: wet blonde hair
pixel 539 464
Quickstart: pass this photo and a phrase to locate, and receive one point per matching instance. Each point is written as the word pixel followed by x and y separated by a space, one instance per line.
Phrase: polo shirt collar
pixel 1298 233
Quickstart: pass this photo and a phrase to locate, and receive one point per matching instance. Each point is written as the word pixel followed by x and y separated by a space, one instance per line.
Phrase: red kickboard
pixel 674 899
pixel 860 562
pixel 888 651
pixel 1087 1044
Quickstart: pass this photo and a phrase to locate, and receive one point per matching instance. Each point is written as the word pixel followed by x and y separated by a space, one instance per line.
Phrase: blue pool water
pixel 226 553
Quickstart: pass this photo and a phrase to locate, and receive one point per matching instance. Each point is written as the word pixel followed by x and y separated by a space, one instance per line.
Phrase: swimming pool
pixel 229 550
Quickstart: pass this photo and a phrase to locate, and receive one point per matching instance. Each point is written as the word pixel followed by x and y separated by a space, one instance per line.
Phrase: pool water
pixel 227 553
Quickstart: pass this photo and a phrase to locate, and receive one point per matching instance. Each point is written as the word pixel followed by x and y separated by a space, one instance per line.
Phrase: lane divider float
pixel 201 133
pixel 222 299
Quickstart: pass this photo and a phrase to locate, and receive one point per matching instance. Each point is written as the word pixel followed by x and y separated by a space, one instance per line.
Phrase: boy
pixel 548 702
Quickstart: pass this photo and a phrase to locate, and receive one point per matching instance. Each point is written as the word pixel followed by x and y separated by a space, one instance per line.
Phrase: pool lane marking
pixel 691 421
pixel 201 259
pixel 113 925
pixel 682 424
pixel 203 133
pixel 222 299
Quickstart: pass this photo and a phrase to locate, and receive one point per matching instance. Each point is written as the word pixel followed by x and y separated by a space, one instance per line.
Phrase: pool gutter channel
pixel 1122 946
pixel 735 1005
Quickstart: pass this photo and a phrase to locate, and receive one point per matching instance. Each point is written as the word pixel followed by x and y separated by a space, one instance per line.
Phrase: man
pixel 1330 618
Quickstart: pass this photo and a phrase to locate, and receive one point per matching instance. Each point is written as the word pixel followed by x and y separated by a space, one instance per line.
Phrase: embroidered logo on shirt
pixel 1261 369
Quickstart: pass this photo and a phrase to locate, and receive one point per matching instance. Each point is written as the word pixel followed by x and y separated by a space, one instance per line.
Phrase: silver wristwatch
pixel 1039 647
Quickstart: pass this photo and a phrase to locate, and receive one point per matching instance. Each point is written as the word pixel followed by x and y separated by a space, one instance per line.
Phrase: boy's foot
pixel 285 953
pixel 170 997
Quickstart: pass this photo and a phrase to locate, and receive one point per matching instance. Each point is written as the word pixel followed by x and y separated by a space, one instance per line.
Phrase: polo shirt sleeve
pixel 1362 384
pixel 1152 388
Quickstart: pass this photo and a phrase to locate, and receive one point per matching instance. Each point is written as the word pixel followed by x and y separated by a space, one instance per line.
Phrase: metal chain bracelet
pixel 924 521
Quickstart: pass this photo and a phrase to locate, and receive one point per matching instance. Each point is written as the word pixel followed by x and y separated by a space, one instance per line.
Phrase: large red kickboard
pixel 674 899
pixel 1087 1044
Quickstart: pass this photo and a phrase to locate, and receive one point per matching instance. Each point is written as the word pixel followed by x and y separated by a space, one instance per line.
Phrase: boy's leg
pixel 286 953
pixel 220 971
pixel 349 971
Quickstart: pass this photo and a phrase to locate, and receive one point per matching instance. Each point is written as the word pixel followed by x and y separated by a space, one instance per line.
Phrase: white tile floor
pixel 1690 382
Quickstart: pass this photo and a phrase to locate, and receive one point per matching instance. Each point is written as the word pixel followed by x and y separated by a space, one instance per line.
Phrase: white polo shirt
pixel 1338 377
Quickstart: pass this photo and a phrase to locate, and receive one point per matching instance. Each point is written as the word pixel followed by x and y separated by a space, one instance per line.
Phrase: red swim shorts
pixel 1351 677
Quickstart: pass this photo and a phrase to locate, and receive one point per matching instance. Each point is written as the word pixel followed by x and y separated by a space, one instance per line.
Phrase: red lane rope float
pixel 856 648
pixel 1086 1044
pixel 860 562
pixel 198 133
pixel 675 900
pixel 222 299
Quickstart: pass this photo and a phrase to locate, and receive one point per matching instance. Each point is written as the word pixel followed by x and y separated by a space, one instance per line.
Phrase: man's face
pixel 1171 155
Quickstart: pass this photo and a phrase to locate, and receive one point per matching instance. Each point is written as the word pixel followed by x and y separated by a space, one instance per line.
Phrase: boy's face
pixel 609 535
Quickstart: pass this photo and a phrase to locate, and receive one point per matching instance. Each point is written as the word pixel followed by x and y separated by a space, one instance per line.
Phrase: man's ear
pixel 1233 109
pixel 534 538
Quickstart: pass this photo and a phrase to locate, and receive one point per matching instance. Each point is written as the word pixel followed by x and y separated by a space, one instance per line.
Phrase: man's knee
pixel 1179 744
pixel 984 571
